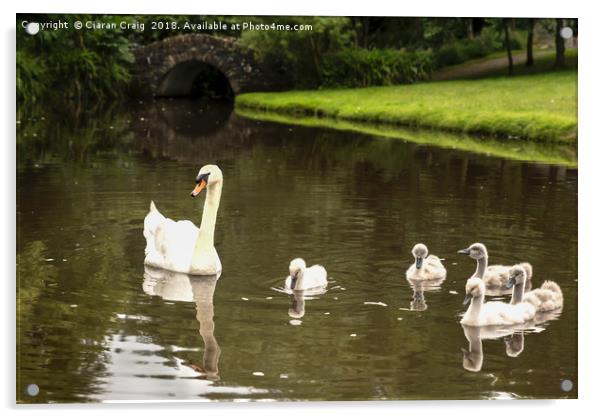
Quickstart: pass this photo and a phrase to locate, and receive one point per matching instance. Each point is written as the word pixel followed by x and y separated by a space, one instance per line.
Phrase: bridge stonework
pixel 168 67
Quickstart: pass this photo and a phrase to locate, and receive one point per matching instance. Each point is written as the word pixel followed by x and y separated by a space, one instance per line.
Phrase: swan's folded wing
pixel 317 271
pixel 169 244
pixel 152 222
pixel 496 275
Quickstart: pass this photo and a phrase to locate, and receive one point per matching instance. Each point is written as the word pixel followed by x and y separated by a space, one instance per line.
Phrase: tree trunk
pixel 315 55
pixel 530 60
pixel 508 48
pixel 469 32
pixel 559 44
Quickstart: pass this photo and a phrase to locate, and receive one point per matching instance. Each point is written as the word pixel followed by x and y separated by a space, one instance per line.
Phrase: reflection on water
pixel 418 302
pixel 297 309
pixel 473 356
pixel 513 336
pixel 181 287
pixel 89 330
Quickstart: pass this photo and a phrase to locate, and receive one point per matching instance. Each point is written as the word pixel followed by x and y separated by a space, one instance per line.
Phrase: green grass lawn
pixel 540 107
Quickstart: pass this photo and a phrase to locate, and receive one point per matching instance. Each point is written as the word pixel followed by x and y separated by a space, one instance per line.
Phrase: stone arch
pixel 182 55
pixel 181 78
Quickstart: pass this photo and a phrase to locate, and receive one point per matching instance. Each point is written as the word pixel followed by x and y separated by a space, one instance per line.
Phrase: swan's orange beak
pixel 199 187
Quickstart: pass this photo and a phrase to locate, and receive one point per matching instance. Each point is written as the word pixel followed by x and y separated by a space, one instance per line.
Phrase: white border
pixel 590 179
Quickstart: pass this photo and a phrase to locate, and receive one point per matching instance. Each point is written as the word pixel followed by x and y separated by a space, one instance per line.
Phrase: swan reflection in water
pixel 418 302
pixel 182 287
pixel 513 335
pixel 298 297
pixel 297 309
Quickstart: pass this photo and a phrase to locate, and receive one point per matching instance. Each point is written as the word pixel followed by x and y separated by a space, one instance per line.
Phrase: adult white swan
pixel 181 246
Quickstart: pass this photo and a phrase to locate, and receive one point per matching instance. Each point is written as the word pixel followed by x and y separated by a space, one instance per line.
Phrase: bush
pixel 376 67
pixel 463 50
pixel 85 65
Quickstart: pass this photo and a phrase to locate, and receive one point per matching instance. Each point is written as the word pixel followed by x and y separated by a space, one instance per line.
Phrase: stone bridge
pixel 169 67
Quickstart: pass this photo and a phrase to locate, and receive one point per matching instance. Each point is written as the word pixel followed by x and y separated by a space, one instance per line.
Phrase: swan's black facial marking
pixel 293 281
pixel 202 177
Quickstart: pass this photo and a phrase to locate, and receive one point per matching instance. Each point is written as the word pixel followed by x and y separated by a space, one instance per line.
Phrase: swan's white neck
pixel 204 240
pixel 481 267
pixel 472 313
pixel 517 293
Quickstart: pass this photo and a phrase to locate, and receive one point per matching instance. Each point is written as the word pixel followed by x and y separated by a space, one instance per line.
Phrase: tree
pixel 508 46
pixel 559 44
pixel 530 29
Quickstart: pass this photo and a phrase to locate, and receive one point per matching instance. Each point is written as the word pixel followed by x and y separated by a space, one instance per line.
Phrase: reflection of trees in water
pixel 66 134
pixel 61 330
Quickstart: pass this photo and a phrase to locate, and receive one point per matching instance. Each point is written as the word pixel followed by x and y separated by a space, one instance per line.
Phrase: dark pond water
pixel 93 325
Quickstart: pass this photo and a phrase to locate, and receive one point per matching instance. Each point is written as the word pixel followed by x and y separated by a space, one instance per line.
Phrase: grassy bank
pixel 540 107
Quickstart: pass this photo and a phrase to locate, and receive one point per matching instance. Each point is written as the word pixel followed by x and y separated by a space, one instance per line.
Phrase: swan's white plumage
pixel 169 244
pixel 314 277
pixel 497 275
pixel 480 313
pixel 546 298
pixel 431 269
pixel 181 246
pixel 500 313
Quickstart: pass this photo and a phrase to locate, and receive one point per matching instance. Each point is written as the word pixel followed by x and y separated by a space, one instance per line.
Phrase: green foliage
pixel 538 107
pixel 300 55
pixel 84 65
pixel 30 76
pixel 490 40
pixel 438 31
pixel 173 25
pixel 376 67
pixel 327 55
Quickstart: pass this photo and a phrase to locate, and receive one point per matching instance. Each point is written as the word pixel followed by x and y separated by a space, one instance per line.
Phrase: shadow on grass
pixel 545 62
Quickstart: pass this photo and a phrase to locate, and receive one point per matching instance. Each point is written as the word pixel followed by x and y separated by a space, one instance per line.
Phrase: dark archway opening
pixel 197 80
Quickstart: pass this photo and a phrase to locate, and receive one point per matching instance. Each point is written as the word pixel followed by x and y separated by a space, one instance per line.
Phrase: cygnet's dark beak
pixel 418 262
pixel 465 251
pixel 467 299
pixel 511 283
